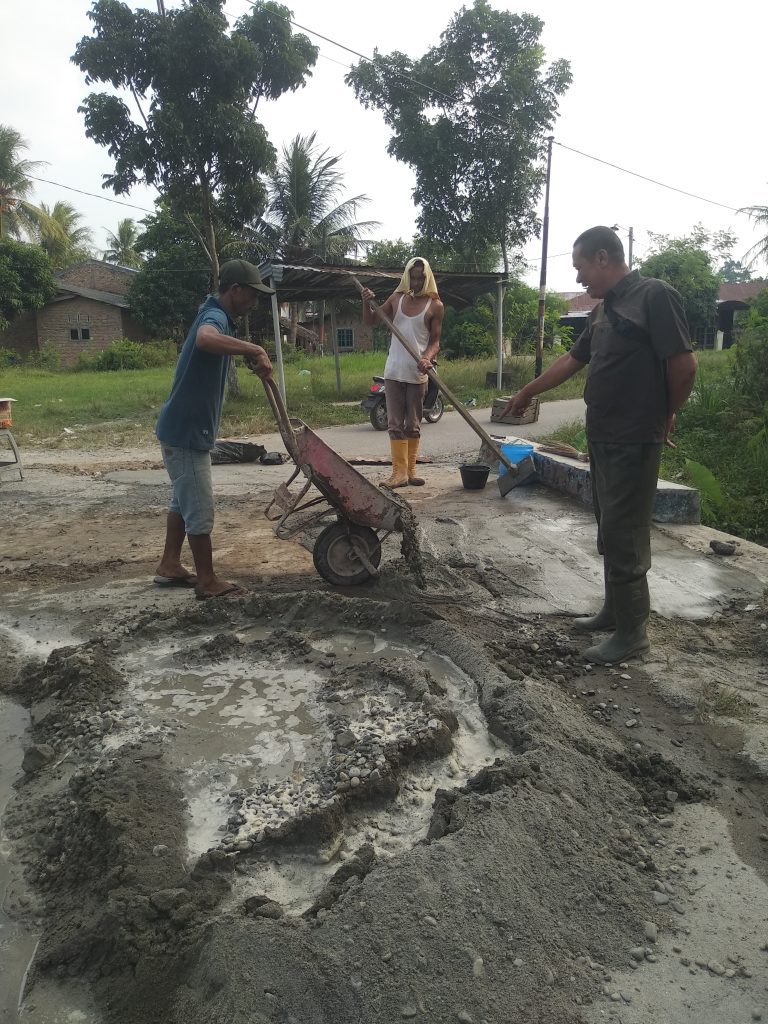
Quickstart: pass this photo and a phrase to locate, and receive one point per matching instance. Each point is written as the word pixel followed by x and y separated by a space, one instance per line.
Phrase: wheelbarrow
pixel 348 551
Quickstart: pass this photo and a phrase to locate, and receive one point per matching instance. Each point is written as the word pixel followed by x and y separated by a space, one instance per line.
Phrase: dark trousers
pixel 624 478
pixel 405 407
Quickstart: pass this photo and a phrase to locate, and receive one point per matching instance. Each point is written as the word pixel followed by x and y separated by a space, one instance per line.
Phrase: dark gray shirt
pixel 629 336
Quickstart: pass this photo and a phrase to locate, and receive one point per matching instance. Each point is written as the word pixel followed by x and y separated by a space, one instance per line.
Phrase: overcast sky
pixel 673 90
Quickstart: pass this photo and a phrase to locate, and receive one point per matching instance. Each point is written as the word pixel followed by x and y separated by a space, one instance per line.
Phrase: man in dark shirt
pixel 641 370
pixel 189 421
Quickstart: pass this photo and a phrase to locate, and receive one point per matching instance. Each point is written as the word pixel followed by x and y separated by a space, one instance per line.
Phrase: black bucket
pixel 474 476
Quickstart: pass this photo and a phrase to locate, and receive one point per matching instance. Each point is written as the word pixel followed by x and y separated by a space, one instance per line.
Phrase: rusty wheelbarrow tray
pixel 348 551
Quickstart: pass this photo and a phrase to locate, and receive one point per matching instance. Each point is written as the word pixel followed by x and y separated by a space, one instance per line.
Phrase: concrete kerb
pixel 675 503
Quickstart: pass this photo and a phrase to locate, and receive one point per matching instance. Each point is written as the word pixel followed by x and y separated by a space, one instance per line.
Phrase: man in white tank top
pixel 417 312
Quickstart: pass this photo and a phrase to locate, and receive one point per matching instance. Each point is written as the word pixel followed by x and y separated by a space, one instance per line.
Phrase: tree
pixel 521 315
pixel 734 272
pixel 470 118
pixel 682 263
pixel 174 275
pixel 121 245
pixel 306 218
pixel 196 87
pixel 759 251
pixel 26 281
pixel 62 235
pixel 18 216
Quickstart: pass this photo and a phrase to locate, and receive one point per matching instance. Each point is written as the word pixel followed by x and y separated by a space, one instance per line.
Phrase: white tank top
pixel 400 365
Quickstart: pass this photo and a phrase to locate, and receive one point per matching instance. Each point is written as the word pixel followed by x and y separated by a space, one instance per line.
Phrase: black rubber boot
pixel 632 607
pixel 605 618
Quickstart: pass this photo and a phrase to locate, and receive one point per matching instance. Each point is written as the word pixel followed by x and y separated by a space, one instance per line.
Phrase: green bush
pixel 48 357
pixel 129 355
pixel 9 357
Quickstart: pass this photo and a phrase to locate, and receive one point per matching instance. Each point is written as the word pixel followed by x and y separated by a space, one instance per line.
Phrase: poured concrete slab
pixel 675 503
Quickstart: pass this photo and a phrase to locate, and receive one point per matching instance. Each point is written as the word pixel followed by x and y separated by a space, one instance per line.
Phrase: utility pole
pixel 161 8
pixel 543 275
pixel 631 239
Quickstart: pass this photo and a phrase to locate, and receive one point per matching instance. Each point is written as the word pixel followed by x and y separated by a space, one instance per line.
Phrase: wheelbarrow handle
pixel 432 374
pixel 280 413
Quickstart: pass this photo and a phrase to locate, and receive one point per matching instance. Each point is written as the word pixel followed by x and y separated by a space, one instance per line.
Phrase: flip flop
pixel 233 591
pixel 174 581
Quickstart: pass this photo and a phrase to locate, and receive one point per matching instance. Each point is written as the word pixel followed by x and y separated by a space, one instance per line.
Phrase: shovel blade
pixel 523 471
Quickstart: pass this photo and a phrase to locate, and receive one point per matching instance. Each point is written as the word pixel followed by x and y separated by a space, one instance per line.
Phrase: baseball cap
pixel 242 272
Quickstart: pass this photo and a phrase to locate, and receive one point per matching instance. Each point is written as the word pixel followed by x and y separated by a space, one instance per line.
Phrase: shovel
pixel 515 474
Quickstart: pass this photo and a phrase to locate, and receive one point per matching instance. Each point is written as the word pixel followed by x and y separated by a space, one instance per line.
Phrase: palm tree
pixel 304 219
pixel 121 245
pixel 60 232
pixel 759 251
pixel 18 217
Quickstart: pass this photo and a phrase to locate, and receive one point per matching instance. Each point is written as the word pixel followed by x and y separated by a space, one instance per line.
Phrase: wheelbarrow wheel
pixel 335 556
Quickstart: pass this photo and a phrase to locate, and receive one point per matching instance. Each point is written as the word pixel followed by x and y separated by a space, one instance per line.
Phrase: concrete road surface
pixel 449 437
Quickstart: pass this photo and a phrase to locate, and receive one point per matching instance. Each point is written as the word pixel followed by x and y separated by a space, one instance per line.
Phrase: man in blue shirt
pixel 189 421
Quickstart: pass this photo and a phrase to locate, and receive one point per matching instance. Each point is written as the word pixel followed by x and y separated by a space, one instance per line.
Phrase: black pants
pixel 624 478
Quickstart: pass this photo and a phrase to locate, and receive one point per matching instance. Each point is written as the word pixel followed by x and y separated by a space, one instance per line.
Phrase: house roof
pixel 737 294
pixel 732 292
pixel 297 282
pixel 71 291
pixel 97 263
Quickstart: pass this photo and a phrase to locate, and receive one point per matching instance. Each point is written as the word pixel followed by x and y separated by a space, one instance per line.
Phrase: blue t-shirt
pixel 190 418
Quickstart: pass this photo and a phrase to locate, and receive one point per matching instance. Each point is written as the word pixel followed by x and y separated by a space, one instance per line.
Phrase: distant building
pixel 732 298
pixel 89 311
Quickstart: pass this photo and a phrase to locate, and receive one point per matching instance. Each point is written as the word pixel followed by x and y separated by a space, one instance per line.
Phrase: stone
pixel 37 756
pixel 650 930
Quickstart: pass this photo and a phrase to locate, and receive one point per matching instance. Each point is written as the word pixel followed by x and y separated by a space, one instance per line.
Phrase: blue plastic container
pixel 515 451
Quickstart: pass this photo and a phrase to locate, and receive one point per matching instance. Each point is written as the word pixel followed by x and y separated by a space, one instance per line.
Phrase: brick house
pixel 89 311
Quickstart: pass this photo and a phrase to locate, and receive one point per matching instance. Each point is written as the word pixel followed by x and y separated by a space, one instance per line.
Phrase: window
pixel 85 334
pixel 74 334
pixel 80 334
pixel 345 337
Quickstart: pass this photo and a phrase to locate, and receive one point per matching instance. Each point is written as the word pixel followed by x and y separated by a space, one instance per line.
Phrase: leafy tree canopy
pixel 196 87
pixel 441 256
pixel 173 278
pixel 26 281
pixel 688 266
pixel 470 118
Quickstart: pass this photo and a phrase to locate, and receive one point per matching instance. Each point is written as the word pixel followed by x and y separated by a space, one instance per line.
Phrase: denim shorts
pixel 190 473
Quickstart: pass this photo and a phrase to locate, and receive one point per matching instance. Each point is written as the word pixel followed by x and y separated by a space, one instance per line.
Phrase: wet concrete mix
pixel 458 825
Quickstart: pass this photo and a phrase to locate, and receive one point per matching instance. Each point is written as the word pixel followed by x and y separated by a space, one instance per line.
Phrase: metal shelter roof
pixel 298 283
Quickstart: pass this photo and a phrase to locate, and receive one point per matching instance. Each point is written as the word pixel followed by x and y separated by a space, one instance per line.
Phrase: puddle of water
pixel 232 722
pixel 294 878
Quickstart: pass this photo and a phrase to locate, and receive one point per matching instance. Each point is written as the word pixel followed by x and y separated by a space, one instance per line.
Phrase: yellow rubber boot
pixel 413 449
pixel 399 476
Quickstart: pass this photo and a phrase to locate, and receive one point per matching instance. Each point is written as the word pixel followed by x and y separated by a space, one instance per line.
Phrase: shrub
pixel 48 357
pixel 129 355
pixel 9 357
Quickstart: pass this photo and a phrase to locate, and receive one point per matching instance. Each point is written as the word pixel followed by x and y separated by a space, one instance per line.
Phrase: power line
pixel 93 195
pixel 653 181
pixel 506 124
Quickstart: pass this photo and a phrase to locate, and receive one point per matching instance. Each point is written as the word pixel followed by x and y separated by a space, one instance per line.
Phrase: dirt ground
pixel 316 804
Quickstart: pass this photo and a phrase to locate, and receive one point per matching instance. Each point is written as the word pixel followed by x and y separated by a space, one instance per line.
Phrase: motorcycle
pixel 375 404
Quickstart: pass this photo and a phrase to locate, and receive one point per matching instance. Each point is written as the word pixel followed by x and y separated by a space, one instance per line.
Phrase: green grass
pixel 120 408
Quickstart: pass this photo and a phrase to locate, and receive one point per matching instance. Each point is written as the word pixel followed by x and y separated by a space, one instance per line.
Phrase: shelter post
pixel 335 345
pixel 278 338
pixel 499 332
